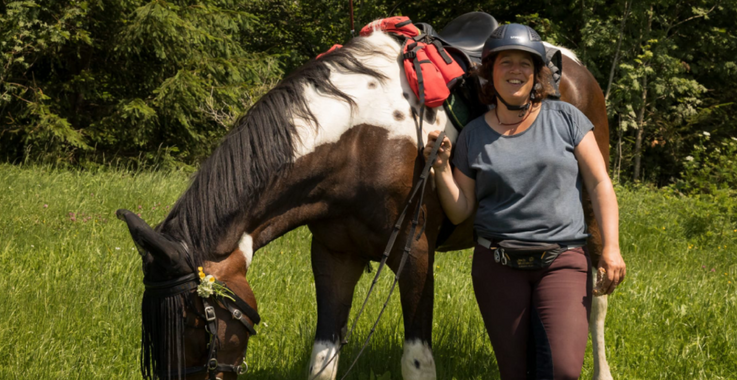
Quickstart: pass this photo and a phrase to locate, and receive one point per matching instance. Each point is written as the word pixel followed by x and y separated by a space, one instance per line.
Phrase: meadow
pixel 71 285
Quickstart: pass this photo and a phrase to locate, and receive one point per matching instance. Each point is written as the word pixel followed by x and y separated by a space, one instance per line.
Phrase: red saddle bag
pixel 428 67
pixel 423 76
pixel 398 25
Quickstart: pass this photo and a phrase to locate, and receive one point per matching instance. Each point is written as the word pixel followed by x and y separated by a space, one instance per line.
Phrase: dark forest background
pixel 157 83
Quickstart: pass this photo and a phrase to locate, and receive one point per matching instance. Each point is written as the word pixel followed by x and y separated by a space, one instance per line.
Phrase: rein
pixel 418 187
pixel 238 310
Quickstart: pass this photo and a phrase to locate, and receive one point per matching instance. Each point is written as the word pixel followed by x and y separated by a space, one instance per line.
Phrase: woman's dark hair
pixel 543 78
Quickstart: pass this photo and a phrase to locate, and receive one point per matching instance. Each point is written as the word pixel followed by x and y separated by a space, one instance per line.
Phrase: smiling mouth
pixel 514 81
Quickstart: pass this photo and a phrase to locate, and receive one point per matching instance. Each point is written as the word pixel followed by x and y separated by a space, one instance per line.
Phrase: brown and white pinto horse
pixel 334 147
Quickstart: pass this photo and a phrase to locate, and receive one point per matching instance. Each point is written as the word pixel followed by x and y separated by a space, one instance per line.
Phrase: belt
pixel 491 244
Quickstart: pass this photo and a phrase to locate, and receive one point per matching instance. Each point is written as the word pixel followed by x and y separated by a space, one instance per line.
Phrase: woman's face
pixel 514 76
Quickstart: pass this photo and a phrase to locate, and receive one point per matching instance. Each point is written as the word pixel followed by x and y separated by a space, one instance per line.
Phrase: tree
pixel 85 79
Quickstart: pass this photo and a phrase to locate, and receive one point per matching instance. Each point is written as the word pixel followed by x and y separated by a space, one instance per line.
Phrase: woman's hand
pixel 443 153
pixel 612 264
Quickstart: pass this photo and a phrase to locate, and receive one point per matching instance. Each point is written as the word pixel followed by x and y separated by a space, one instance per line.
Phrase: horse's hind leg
pixel 596 328
pixel 598 304
pixel 416 289
pixel 336 275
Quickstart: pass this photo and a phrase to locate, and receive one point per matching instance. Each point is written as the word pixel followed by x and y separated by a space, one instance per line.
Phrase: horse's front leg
pixel 336 275
pixel 416 289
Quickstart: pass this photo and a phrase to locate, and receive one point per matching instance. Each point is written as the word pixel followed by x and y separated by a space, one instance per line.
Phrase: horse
pixel 333 146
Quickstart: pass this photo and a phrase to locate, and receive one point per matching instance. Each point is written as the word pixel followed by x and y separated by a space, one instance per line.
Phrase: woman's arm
pixel 604 202
pixel 456 190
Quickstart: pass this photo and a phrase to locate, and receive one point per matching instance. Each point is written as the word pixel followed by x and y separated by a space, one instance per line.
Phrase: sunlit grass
pixel 72 289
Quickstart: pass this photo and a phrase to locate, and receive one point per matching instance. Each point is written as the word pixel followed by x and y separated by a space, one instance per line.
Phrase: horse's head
pixel 196 321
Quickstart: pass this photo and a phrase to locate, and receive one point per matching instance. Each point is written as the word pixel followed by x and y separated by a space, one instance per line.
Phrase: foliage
pixel 161 81
pixel 710 169
pixel 100 79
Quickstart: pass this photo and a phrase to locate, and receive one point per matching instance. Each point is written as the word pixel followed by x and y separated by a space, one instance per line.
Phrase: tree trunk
pixel 619 45
pixel 620 132
pixel 640 130
pixel 641 114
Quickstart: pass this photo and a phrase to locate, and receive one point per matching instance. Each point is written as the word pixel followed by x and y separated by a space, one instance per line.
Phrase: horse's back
pixel 579 87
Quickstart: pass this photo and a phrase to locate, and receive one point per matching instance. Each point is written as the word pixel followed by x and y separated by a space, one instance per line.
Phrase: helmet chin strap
pixel 523 107
pixel 510 107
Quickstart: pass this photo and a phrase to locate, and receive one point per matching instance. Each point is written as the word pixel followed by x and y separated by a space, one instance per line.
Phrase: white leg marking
pixel 322 352
pixel 596 328
pixel 417 361
pixel 246 246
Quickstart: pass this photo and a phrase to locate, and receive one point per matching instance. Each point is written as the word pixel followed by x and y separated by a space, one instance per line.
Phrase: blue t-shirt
pixel 528 185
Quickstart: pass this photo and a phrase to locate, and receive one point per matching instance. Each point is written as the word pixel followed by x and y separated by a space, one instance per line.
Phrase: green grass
pixel 72 289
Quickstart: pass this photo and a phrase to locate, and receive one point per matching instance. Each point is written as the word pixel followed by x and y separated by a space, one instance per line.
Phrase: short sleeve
pixel 460 155
pixel 581 125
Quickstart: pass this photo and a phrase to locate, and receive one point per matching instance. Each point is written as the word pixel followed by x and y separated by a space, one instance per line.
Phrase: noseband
pixel 236 306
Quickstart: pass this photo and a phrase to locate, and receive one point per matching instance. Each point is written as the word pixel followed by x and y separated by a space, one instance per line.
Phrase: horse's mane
pixel 259 147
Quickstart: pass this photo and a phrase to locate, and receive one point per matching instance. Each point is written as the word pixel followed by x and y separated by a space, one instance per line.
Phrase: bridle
pixel 237 307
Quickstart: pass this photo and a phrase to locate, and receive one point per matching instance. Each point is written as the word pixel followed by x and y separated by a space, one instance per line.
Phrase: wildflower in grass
pixel 139 214
pixel 689 158
pixel 707 133
pixel 117 248
pixel 703 267
pixel 140 207
pixel 713 270
pixel 46 206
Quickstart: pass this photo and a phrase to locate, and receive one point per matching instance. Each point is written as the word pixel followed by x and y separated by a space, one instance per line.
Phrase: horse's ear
pixel 162 249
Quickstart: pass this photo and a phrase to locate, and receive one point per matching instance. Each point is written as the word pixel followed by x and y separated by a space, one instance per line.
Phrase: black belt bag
pixel 524 254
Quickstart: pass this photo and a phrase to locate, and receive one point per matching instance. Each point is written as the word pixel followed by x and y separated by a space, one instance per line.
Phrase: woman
pixel 520 167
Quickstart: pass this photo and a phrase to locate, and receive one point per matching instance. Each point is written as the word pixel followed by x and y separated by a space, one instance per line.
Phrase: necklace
pixel 508 124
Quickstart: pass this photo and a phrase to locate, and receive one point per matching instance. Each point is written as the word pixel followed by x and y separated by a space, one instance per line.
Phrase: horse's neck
pixel 329 157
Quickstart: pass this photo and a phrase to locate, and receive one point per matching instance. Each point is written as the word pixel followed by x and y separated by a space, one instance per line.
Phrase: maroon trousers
pixel 537 320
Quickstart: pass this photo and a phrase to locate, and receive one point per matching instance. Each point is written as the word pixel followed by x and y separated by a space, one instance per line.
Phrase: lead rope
pixel 422 181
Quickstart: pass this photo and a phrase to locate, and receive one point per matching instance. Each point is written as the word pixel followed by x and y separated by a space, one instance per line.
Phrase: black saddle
pixel 465 36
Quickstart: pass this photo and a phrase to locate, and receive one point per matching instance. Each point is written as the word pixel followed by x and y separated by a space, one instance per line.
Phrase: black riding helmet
pixel 515 37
